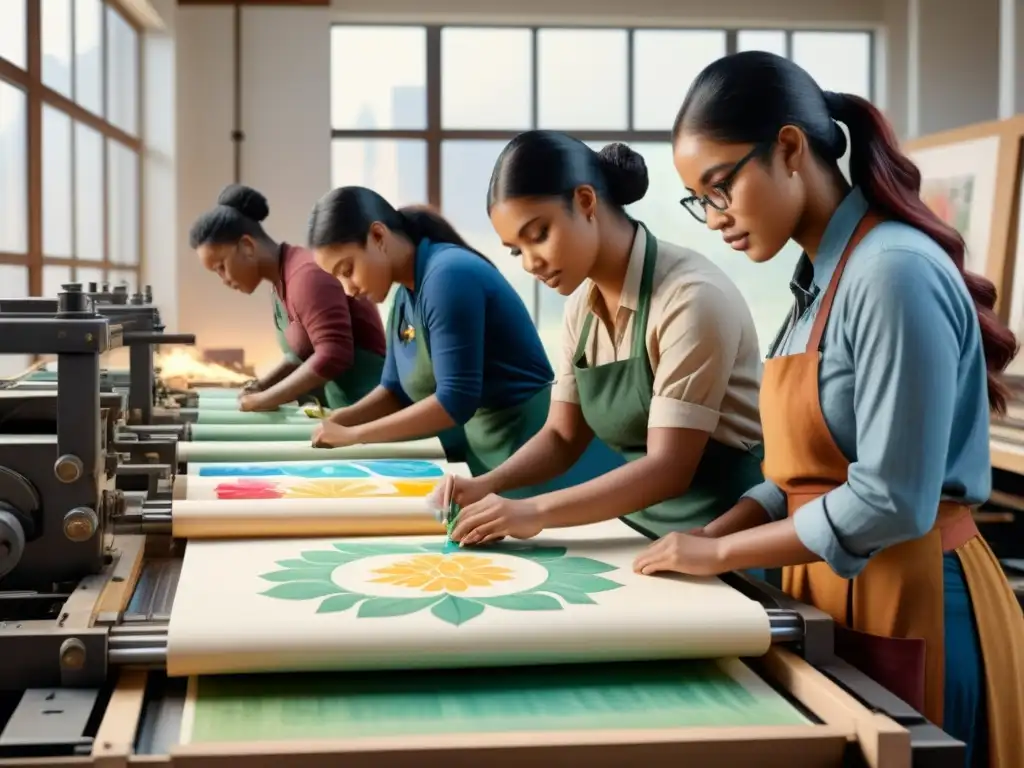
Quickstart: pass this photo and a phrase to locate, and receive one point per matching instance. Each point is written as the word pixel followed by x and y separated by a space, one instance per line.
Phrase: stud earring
pixel 590 217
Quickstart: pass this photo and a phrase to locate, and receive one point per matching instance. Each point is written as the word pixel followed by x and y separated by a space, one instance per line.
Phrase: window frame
pixel 434 134
pixel 30 81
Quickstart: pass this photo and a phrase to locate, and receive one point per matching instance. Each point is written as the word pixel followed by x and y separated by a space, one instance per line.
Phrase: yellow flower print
pixel 448 573
pixel 353 489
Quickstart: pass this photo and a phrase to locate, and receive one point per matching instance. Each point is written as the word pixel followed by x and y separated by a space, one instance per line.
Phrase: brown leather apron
pixel 890 617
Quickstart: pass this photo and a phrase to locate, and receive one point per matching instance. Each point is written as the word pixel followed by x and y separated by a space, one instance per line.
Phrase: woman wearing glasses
pixel 333 346
pixel 875 400
pixel 659 357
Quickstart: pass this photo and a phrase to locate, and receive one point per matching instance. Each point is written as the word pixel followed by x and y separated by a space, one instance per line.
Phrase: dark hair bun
pixel 246 200
pixel 625 172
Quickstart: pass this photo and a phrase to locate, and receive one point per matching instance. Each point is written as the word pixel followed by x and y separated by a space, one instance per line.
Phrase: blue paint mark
pixel 390 468
pixel 309 471
pixel 402 468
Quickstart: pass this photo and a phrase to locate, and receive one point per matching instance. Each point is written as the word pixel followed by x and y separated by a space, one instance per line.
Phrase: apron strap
pixel 866 224
pixel 643 303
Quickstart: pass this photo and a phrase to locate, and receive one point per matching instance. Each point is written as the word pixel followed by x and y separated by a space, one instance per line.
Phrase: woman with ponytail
pixel 659 358
pixel 875 399
pixel 464 360
pixel 333 346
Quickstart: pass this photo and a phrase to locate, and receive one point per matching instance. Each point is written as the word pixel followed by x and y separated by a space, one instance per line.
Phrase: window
pixel 418 116
pixel 80 218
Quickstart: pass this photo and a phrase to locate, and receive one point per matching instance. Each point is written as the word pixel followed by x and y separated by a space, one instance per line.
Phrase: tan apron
pixel 890 617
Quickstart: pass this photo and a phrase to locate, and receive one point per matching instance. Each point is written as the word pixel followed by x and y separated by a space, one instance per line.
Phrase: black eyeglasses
pixel 718 196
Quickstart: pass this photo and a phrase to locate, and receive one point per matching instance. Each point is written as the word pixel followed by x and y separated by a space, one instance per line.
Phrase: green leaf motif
pixel 456 610
pixel 297 564
pixel 570 596
pixel 524 601
pixel 537 554
pixel 313 573
pixel 387 607
pixel 325 557
pixel 339 603
pixel 302 590
pixel 578 582
pixel 579 565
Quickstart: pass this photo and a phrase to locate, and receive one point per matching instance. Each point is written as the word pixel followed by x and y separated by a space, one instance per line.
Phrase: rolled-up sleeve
pixel 698 338
pixel 770 497
pixel 321 306
pixel 565 389
pixel 453 306
pixel 904 327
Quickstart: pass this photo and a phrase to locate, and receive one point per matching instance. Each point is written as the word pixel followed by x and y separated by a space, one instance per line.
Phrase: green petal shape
pixel 339 603
pixel 325 557
pixel 385 607
pixel 302 590
pixel 524 601
pixel 579 565
pixel 571 596
pixel 313 573
pixel 456 610
pixel 296 564
pixel 539 554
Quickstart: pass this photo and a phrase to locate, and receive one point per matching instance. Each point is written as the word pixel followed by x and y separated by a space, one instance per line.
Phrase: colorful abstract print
pixel 342 469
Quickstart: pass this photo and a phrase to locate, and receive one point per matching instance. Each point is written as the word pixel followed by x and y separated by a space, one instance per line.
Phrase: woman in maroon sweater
pixel 333 345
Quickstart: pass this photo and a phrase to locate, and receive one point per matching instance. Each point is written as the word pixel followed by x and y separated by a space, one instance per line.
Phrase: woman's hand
pixel 251 387
pixel 464 491
pixel 255 402
pixel 493 517
pixel 330 435
pixel 693 553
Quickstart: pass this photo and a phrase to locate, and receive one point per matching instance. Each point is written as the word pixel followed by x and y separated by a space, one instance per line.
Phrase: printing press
pixel 89 570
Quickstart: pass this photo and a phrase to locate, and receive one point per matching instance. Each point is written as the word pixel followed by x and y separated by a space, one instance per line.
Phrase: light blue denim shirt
pixel 903 389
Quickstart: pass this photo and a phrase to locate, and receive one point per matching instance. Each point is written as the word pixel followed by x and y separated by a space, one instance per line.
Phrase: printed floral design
pixel 438 580
pixel 247 490
pixel 394 469
pixel 451 573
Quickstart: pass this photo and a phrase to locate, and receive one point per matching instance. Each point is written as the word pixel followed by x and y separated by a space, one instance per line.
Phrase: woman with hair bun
pixel 875 400
pixel 464 359
pixel 659 357
pixel 333 346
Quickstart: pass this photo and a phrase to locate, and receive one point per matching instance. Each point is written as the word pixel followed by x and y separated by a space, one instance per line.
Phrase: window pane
pixel 378 77
pixel 465 173
pixel 14 280
pixel 56 29
pixel 582 78
pixel 122 66
pixel 665 63
pixel 86 275
pixel 839 61
pixel 474 95
pixel 88 193
pixel 770 40
pixel 89 54
pixel 57 226
pixel 122 203
pixel 13 32
pixel 13 170
pixel 394 169
pixel 53 278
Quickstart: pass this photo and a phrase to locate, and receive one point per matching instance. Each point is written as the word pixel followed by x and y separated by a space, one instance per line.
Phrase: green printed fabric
pixel 289 414
pixel 270 433
pixel 573 697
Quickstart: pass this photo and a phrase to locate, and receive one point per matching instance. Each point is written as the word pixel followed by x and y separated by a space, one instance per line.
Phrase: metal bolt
pixel 68 468
pixel 80 524
pixel 72 653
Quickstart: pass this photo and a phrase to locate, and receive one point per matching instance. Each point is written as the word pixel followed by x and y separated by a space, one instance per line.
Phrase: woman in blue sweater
pixel 464 359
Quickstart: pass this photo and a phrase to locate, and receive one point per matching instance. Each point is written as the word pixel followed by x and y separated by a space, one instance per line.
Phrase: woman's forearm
pixel 277 374
pixel 299 382
pixel 629 488
pixel 746 514
pixel 377 404
pixel 543 457
pixel 423 419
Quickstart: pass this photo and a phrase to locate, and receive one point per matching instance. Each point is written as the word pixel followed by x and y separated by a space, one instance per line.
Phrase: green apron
pixel 616 403
pixel 352 385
